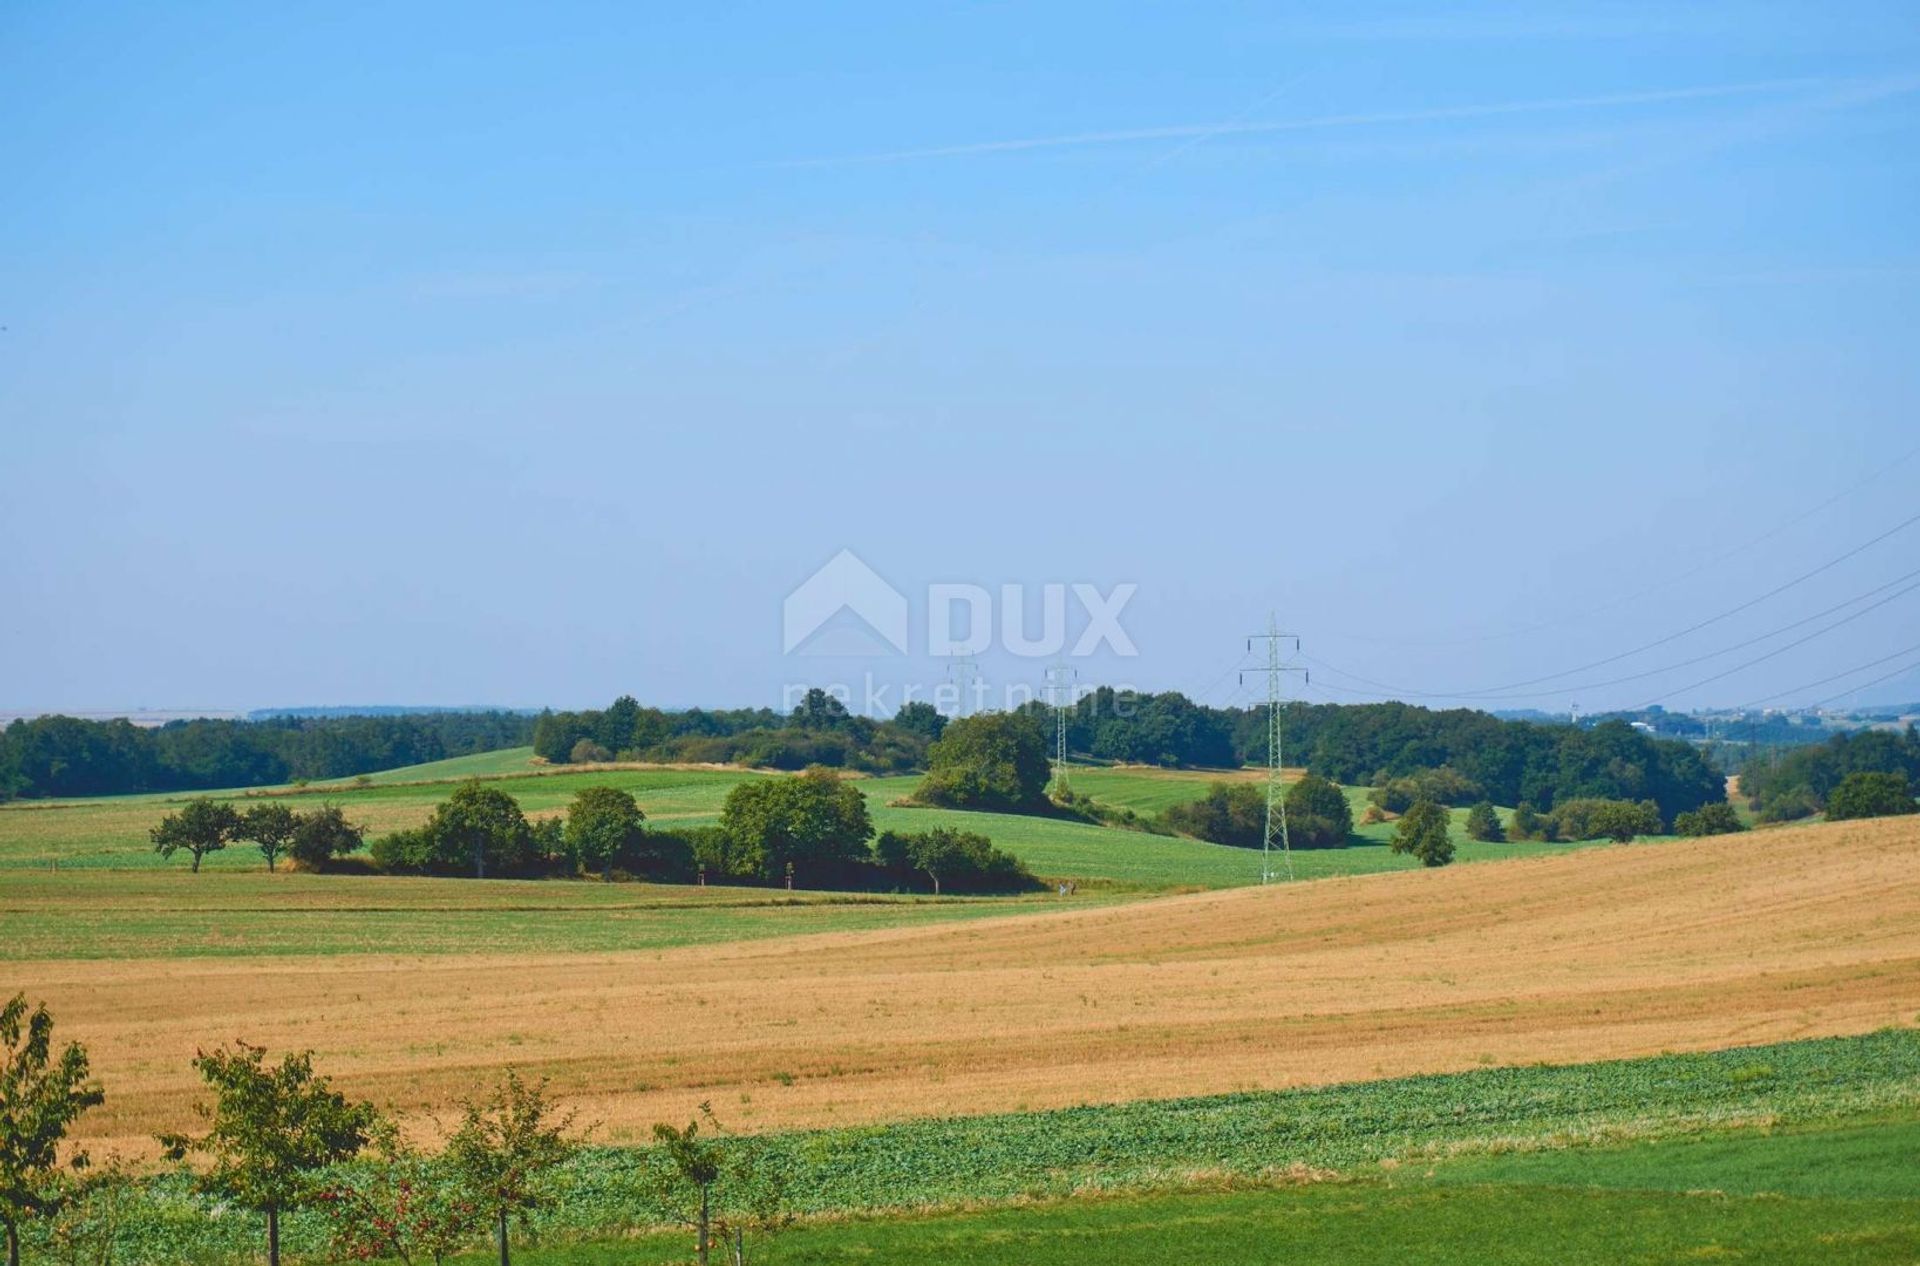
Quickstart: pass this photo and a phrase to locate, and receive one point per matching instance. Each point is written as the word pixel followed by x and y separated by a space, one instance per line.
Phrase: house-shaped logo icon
pixel 844 609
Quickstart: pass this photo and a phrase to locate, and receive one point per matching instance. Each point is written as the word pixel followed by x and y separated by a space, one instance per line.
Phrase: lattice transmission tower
pixel 1276 821
pixel 1060 695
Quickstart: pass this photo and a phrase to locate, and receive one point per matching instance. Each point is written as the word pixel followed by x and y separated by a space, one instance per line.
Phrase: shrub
pixel 1593 819
pixel 1230 813
pixel 1527 824
pixel 323 836
pixel 1708 819
pixel 1870 795
pixel 1318 815
pixel 1483 824
pixel 961 860
pixel 997 760
pixel 588 752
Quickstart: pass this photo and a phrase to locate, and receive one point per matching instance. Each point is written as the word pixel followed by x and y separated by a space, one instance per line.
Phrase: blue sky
pixel 441 354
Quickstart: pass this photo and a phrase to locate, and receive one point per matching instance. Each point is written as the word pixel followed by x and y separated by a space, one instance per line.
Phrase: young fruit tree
pixel 399 1205
pixel 270 1130
pixel 202 826
pixel 41 1096
pixel 506 1152
pixel 725 1189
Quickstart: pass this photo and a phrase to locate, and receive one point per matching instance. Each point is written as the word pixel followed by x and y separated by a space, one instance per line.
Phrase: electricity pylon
pixel 1060 694
pixel 1276 798
pixel 962 670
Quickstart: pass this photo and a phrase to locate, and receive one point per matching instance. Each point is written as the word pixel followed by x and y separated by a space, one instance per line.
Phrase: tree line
pixel 807 830
pixel 820 730
pixel 1883 765
pixel 279 1139
pixel 67 756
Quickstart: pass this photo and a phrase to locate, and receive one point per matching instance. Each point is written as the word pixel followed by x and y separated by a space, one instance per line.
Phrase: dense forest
pixel 64 756
pixel 1507 762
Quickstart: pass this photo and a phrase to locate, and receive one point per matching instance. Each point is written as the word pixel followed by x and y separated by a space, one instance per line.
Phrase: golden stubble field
pixel 1607 952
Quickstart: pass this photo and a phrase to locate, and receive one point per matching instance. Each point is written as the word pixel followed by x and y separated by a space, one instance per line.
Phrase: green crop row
pixel 1166 1143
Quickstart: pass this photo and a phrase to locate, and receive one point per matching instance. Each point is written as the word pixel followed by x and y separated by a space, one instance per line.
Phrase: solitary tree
pixel 1483 824
pixel 40 1097
pixel 602 824
pixel 506 1150
pixel 271 1127
pixel 1423 833
pixel 202 826
pixel 271 827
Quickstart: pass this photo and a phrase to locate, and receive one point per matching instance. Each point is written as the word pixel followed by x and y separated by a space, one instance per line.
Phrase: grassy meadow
pixel 111 832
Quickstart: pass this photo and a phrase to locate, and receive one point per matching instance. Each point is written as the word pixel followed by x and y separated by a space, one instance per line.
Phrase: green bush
pixel 1483 824
pixel 1592 818
pixel 997 760
pixel 1709 819
pixel 1230 813
pixel 1423 833
pixel 1868 795
pixel 1318 815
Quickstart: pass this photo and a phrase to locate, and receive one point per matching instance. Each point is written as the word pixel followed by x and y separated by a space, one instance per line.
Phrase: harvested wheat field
pixel 1606 952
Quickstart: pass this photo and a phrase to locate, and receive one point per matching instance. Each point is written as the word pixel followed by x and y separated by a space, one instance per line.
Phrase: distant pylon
pixel 1276 823
pixel 962 670
pixel 1060 695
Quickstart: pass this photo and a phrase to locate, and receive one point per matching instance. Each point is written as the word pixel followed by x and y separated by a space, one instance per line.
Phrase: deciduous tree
pixel 1870 795
pixel 270 1129
pixel 41 1095
pixel 324 834
pixel 201 826
pixel 271 827
pixel 506 1152
pixel 1423 832
pixel 603 823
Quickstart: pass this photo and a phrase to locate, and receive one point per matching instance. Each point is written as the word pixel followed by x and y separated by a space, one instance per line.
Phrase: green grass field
pixel 112 832
pixel 1848 1194
pixel 109 914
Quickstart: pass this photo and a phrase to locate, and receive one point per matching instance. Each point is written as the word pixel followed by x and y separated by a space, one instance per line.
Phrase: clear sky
pixel 532 354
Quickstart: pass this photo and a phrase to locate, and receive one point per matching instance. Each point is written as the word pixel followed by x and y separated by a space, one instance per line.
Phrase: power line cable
pixel 1505 690
pixel 1761 659
pixel 1709 564
pixel 1740 646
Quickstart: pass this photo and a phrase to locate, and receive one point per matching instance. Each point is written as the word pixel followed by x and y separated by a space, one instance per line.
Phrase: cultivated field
pixel 1594 953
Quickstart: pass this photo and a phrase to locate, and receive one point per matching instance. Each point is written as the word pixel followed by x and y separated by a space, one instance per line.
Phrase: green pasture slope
pixel 1795 1152
pixel 111 832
